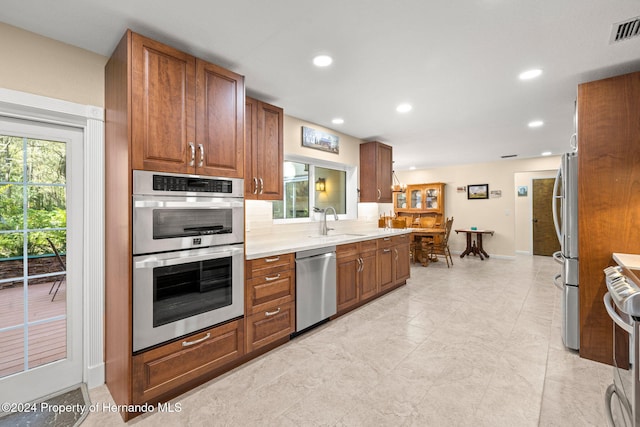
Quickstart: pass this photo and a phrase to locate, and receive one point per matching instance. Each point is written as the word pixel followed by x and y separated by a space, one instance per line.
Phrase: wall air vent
pixel 625 30
pixel 508 156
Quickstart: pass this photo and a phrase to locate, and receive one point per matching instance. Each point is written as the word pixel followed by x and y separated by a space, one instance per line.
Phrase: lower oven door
pixel 176 293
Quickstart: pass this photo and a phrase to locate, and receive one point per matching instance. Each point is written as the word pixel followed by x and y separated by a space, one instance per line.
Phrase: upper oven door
pixel 167 223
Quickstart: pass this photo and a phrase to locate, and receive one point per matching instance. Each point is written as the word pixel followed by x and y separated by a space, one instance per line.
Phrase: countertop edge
pixel 292 245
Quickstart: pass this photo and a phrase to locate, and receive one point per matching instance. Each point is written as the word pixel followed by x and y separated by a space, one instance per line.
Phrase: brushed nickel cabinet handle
pixel 193 154
pixel 386 250
pixel 201 148
pixel 379 194
pixel 386 239
pixel 190 343
pixel 272 278
pixel 274 259
pixel 255 185
pixel 261 185
pixel 396 254
pixel 272 313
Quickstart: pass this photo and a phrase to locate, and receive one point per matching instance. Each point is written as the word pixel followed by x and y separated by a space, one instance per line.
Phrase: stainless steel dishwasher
pixel 315 286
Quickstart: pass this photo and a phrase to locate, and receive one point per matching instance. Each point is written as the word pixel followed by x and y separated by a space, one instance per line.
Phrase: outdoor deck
pixel 47 342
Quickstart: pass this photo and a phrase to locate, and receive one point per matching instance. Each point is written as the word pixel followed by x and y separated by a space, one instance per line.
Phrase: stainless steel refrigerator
pixel 565 218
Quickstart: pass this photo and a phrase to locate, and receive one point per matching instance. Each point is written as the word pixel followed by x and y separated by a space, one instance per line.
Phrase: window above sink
pixel 310 183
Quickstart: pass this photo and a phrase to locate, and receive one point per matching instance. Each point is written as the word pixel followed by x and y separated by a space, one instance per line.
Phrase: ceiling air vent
pixel 625 30
pixel 508 156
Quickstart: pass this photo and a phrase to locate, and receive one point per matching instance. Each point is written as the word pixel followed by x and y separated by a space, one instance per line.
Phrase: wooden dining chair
pixel 441 248
pixel 62 265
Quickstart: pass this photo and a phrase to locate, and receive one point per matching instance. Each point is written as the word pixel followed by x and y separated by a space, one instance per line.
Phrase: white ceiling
pixel 457 62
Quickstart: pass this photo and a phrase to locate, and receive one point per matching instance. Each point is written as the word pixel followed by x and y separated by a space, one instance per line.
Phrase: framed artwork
pixel 319 140
pixel 478 191
pixel 522 191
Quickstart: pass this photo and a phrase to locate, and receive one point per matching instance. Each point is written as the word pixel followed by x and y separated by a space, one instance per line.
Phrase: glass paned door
pixel 40 319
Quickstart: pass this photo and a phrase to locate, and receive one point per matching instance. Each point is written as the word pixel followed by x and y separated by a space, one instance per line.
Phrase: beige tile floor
pixel 475 345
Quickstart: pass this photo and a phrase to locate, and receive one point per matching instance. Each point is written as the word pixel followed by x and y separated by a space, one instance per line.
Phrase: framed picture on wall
pixel 319 140
pixel 478 191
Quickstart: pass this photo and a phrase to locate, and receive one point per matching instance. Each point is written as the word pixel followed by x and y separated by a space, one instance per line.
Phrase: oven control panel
pixel 188 184
pixel 624 292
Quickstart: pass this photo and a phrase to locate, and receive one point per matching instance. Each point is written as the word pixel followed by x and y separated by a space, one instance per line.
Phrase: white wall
pixel 498 214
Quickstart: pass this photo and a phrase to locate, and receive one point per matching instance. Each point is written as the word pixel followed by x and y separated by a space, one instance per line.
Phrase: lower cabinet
pixel 270 310
pixel 401 249
pixel 163 369
pixel 356 273
pixel 393 261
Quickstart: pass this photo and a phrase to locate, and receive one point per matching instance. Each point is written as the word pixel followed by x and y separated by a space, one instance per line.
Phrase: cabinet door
pixel 415 198
pixel 433 199
pixel 402 270
pixel 347 282
pixel 386 268
pixel 368 278
pixel 384 168
pixel 269 151
pixel 250 136
pixel 274 323
pixel 220 121
pixel 162 107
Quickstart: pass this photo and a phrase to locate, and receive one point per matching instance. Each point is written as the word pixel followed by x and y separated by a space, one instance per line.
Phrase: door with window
pixel 40 259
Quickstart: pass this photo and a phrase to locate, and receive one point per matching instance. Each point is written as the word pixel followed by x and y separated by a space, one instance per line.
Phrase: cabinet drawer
pixel 164 368
pixel 368 245
pixel 349 250
pixel 265 327
pixel 403 238
pixel 265 291
pixel 385 242
pixel 268 265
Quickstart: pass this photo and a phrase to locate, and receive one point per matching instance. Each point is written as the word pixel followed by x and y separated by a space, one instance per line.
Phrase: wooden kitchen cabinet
pixel 608 202
pixel 356 274
pixel 393 261
pixel 159 371
pixel 269 300
pixel 264 150
pixel 376 167
pixel 187 115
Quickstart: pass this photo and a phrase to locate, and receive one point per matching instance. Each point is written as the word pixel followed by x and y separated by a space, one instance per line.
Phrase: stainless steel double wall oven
pixel 188 234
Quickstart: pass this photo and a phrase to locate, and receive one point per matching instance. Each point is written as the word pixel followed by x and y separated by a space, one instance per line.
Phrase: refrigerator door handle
pixel 554 203
pixel 557 257
pixel 555 281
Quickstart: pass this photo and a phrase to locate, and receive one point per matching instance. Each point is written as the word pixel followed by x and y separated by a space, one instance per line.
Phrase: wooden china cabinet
pixel 421 201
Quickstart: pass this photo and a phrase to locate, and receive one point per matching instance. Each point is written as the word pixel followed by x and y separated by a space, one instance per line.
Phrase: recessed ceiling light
pixel 536 123
pixel 412 168
pixel 337 121
pixel 404 108
pixel 530 74
pixel 322 60
pixel 546 153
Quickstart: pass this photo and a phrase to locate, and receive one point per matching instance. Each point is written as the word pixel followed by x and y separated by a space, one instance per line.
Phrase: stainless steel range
pixel 622 301
pixel 188 234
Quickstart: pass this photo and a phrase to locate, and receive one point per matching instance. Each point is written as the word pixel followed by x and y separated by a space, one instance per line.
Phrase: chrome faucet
pixel 324 230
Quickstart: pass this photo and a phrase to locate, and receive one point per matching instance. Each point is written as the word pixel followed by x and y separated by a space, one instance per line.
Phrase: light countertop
pixel 627 260
pixel 270 245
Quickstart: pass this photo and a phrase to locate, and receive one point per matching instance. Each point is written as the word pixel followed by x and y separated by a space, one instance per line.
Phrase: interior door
pixel 41 224
pixel 545 240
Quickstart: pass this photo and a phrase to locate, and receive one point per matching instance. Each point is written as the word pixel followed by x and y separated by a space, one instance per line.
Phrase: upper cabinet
pixel 264 150
pixel 421 198
pixel 187 115
pixel 376 163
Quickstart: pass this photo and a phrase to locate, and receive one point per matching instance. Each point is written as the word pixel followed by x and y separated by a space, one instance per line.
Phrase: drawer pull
pixel 386 239
pixel 272 259
pixel 272 313
pixel 190 343
pixel 272 278
pixel 386 250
